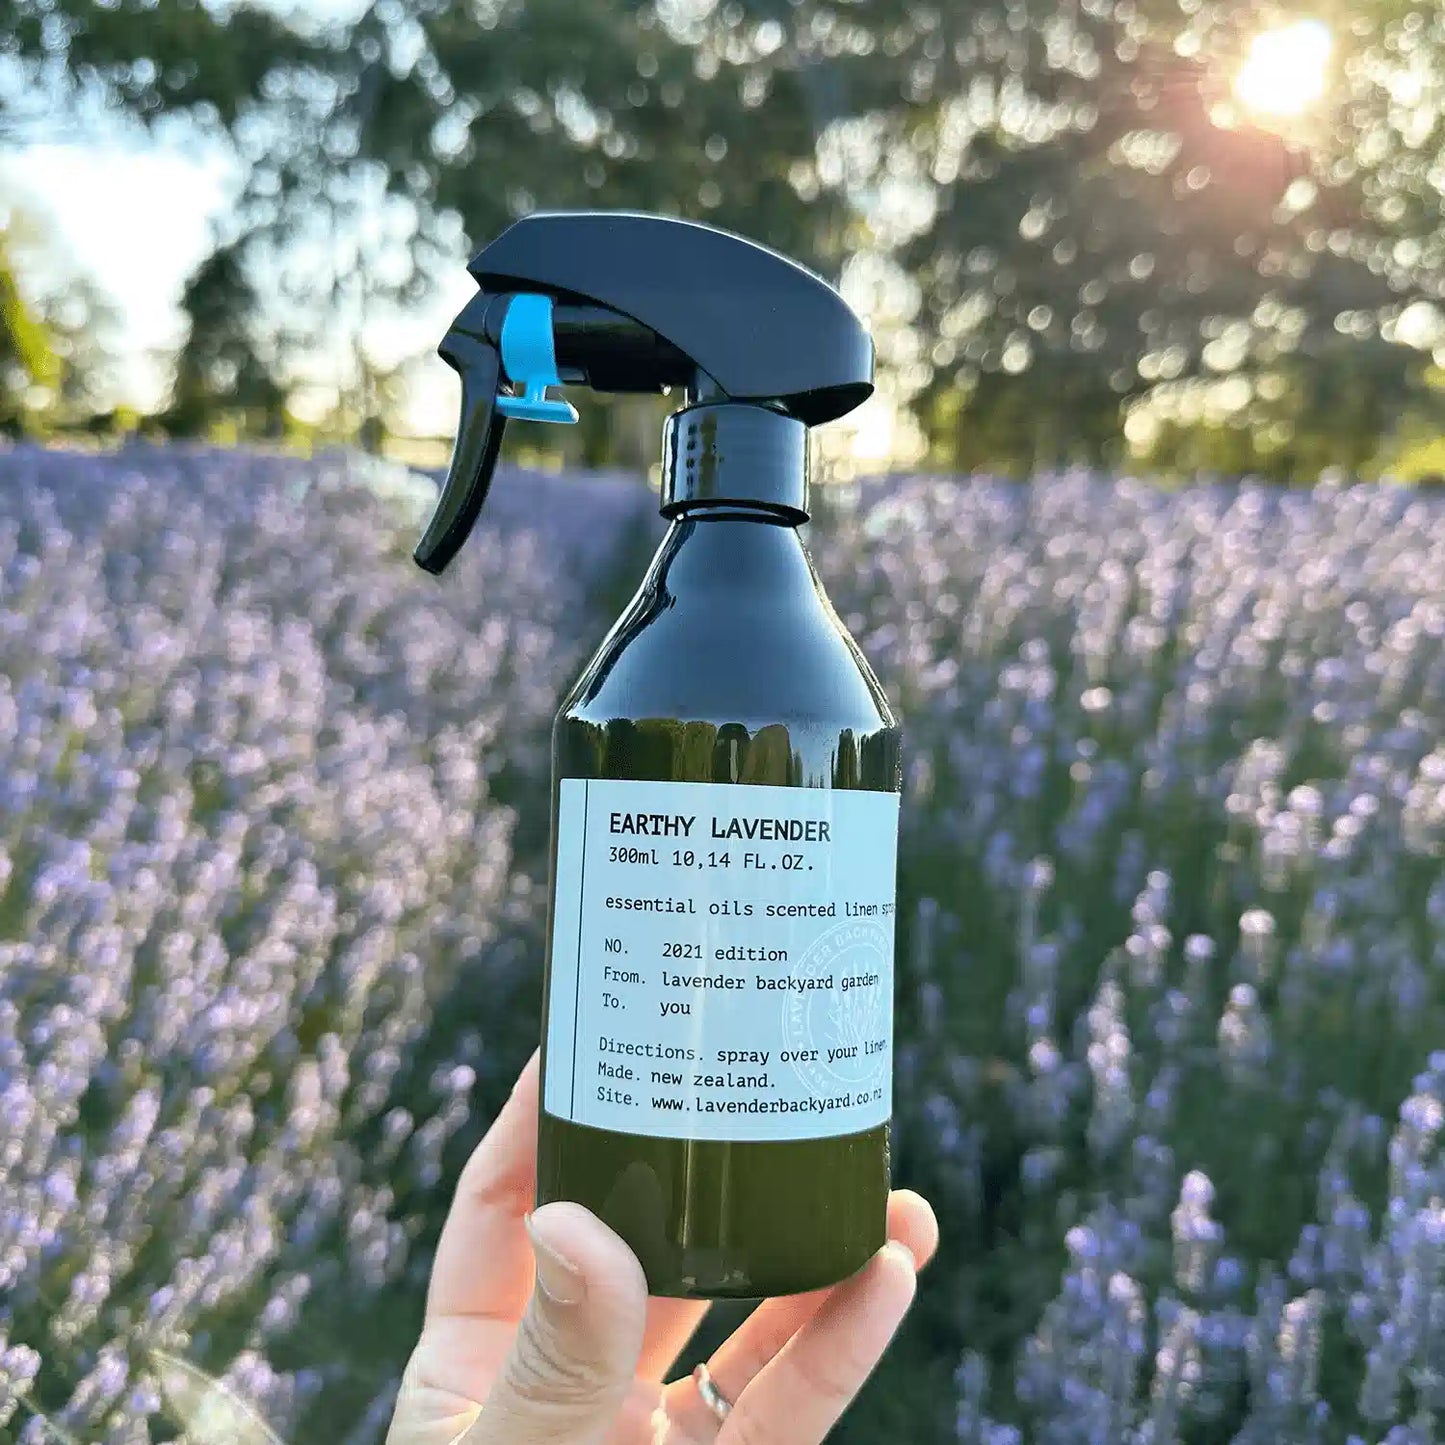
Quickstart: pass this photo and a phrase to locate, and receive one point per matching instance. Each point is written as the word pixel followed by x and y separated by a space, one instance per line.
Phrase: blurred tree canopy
pixel 27 353
pixel 49 337
pixel 219 358
pixel 1067 226
pixel 149 57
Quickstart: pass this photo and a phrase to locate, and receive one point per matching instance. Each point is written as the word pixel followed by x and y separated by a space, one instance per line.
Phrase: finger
pixel 798 1396
pixel 912 1222
pixel 671 1323
pixel 758 1339
pixel 483 1265
pixel 744 1353
pixel 575 1353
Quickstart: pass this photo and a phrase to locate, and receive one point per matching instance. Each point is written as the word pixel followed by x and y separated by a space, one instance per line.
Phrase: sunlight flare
pixel 1285 70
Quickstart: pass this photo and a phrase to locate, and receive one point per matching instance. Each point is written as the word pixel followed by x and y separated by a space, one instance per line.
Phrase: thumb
pixel 576 1349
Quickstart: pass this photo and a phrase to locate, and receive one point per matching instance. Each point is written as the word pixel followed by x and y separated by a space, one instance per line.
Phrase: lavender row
pixel 1176 963
pixel 1170 979
pixel 252 844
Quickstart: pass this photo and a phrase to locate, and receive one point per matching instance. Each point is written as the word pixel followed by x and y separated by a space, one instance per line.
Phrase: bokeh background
pixel 1143 533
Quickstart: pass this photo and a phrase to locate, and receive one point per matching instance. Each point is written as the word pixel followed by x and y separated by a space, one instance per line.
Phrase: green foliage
pixel 1059 412
pixel 1335 408
pixel 77 61
pixel 1079 213
pixel 509 106
pixel 1099 213
pixel 1423 464
pixel 27 351
pixel 150 57
pixel 220 370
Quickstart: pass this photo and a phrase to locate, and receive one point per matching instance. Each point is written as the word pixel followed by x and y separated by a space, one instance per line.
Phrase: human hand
pixel 580 1358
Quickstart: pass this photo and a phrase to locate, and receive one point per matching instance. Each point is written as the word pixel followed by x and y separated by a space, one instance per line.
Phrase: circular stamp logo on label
pixel 838 1014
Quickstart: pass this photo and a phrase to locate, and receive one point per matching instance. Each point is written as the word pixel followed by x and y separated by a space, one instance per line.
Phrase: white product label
pixel 722 960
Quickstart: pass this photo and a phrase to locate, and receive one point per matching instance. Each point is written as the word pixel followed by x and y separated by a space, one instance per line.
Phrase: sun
pixel 1285 71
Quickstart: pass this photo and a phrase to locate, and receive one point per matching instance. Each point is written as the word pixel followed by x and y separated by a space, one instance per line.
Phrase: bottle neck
pixel 735 454
pixel 728 555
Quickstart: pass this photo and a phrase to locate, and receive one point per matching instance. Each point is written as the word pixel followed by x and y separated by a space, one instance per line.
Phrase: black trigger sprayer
pixel 717 1032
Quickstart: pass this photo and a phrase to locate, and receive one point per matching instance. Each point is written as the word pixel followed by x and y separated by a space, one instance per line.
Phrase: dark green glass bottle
pixel 719 988
pixel 730 667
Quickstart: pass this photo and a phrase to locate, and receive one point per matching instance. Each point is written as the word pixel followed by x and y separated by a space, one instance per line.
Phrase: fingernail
pixel 901 1251
pixel 557 1277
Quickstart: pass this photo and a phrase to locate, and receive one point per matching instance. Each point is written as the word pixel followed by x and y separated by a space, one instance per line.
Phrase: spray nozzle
pixel 633 303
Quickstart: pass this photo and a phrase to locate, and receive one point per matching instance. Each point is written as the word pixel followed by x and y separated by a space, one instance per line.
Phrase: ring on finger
pixel 712 1397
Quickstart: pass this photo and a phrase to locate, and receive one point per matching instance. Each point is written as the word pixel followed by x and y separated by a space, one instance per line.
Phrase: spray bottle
pixel 718 999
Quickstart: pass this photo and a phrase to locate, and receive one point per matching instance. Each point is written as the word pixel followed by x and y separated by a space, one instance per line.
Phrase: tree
pixel 1086 214
pixel 436 127
pixel 28 358
pixel 81 62
pixel 1394 146
pixel 1081 212
pixel 149 58
pixel 221 369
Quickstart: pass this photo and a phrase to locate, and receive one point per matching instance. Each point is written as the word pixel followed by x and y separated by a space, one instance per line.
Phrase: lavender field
pixel 1171 981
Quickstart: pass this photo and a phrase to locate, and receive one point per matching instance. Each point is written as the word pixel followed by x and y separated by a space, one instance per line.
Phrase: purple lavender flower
pixel 1172 915
pixel 248 839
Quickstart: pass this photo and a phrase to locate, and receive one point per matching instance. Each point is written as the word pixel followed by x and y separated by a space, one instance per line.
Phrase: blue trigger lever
pixel 529 358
